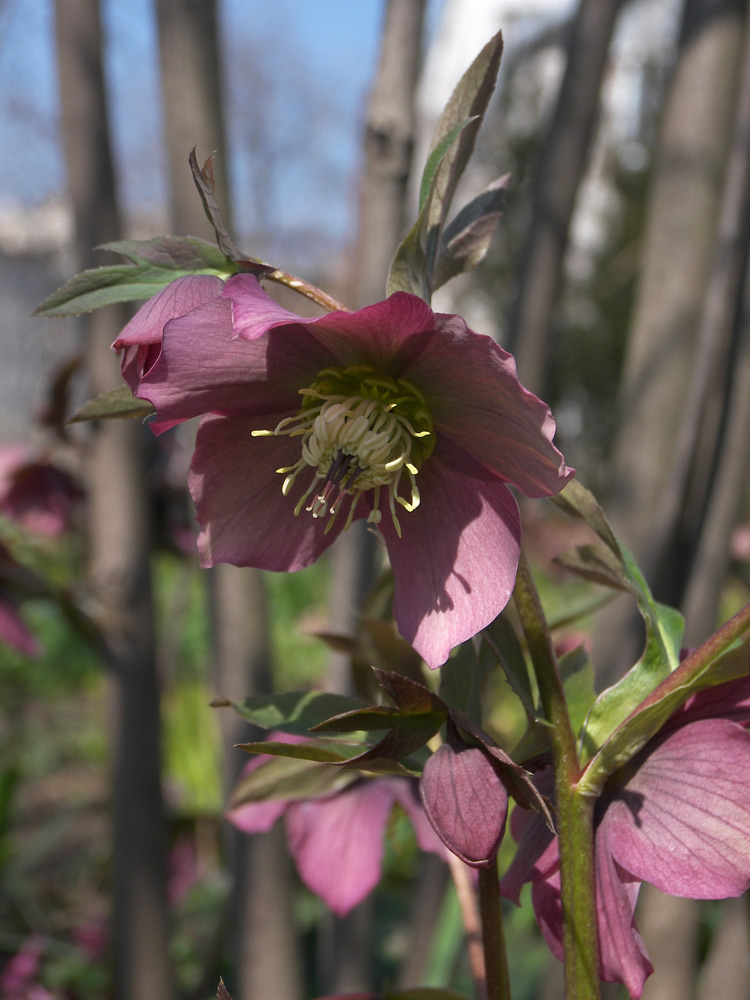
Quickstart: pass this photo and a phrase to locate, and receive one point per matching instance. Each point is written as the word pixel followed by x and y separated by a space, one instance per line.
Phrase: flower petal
pixel 455 564
pixel 386 335
pixel 466 802
pixel 244 517
pixel 140 339
pixel 14 632
pixel 622 954
pixel 203 369
pixel 337 842
pixel 681 820
pixel 475 397
pixel 406 793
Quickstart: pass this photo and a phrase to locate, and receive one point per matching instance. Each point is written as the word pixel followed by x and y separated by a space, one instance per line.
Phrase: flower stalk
pixel 493 937
pixel 574 812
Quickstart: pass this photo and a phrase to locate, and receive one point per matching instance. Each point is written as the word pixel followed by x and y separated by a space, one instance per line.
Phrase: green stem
pixel 574 812
pixel 493 938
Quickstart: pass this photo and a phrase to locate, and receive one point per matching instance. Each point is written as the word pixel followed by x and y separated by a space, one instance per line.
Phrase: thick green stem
pixel 493 938
pixel 574 813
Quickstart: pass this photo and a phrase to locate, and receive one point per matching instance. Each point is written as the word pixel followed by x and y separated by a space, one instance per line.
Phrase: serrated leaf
pixel 360 720
pixel 503 640
pixel 288 778
pixel 117 403
pixel 322 751
pixel 294 711
pixel 462 678
pixel 408 736
pixel 154 264
pixel 409 696
pixel 467 237
pixel 173 253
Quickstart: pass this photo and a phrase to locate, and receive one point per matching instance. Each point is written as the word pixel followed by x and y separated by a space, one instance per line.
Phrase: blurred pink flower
pixel 17 981
pixel 14 632
pixel 36 493
pixel 677 815
pixel 394 413
pixel 336 840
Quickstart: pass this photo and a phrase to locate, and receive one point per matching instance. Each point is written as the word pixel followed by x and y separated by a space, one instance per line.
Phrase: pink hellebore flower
pixel 34 492
pixel 392 413
pixel 677 815
pixel 336 840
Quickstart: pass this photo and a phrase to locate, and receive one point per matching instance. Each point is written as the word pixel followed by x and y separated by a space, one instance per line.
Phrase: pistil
pixel 361 433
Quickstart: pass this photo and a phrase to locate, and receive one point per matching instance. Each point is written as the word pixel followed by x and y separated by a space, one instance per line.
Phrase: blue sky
pixel 316 56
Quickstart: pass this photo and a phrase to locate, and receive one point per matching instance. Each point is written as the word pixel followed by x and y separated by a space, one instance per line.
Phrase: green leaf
pixel 468 101
pixel 577 672
pixel 116 403
pixel 360 720
pixel 436 157
pixel 452 144
pixel 323 751
pixel 613 566
pixel 664 630
pixel 288 778
pixel 578 501
pixel 293 711
pixel 154 264
pixel 466 239
pixel 503 640
pixel 462 678
pixel 644 723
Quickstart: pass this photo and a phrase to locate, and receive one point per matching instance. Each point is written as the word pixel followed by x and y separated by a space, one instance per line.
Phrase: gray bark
pixel 558 175
pixel 261 925
pixel 119 541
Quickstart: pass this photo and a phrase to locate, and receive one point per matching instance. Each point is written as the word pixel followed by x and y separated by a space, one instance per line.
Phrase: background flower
pixel 336 840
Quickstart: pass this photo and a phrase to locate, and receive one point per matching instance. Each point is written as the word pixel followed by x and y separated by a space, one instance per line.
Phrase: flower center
pixel 359 431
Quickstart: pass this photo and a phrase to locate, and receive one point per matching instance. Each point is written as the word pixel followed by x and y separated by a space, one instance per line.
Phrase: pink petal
pixel 466 802
pixel 257 817
pixel 386 335
pixel 475 397
pixel 14 632
pixel 622 953
pixel 337 842
pixel 406 793
pixel 203 368
pixel 455 564
pixel 682 819
pixel 728 701
pixel 245 518
pixel 141 338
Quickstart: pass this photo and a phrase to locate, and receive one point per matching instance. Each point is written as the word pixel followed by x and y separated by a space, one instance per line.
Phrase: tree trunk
pixel 679 247
pixel 119 540
pixel 388 143
pixel 261 925
pixel 560 169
